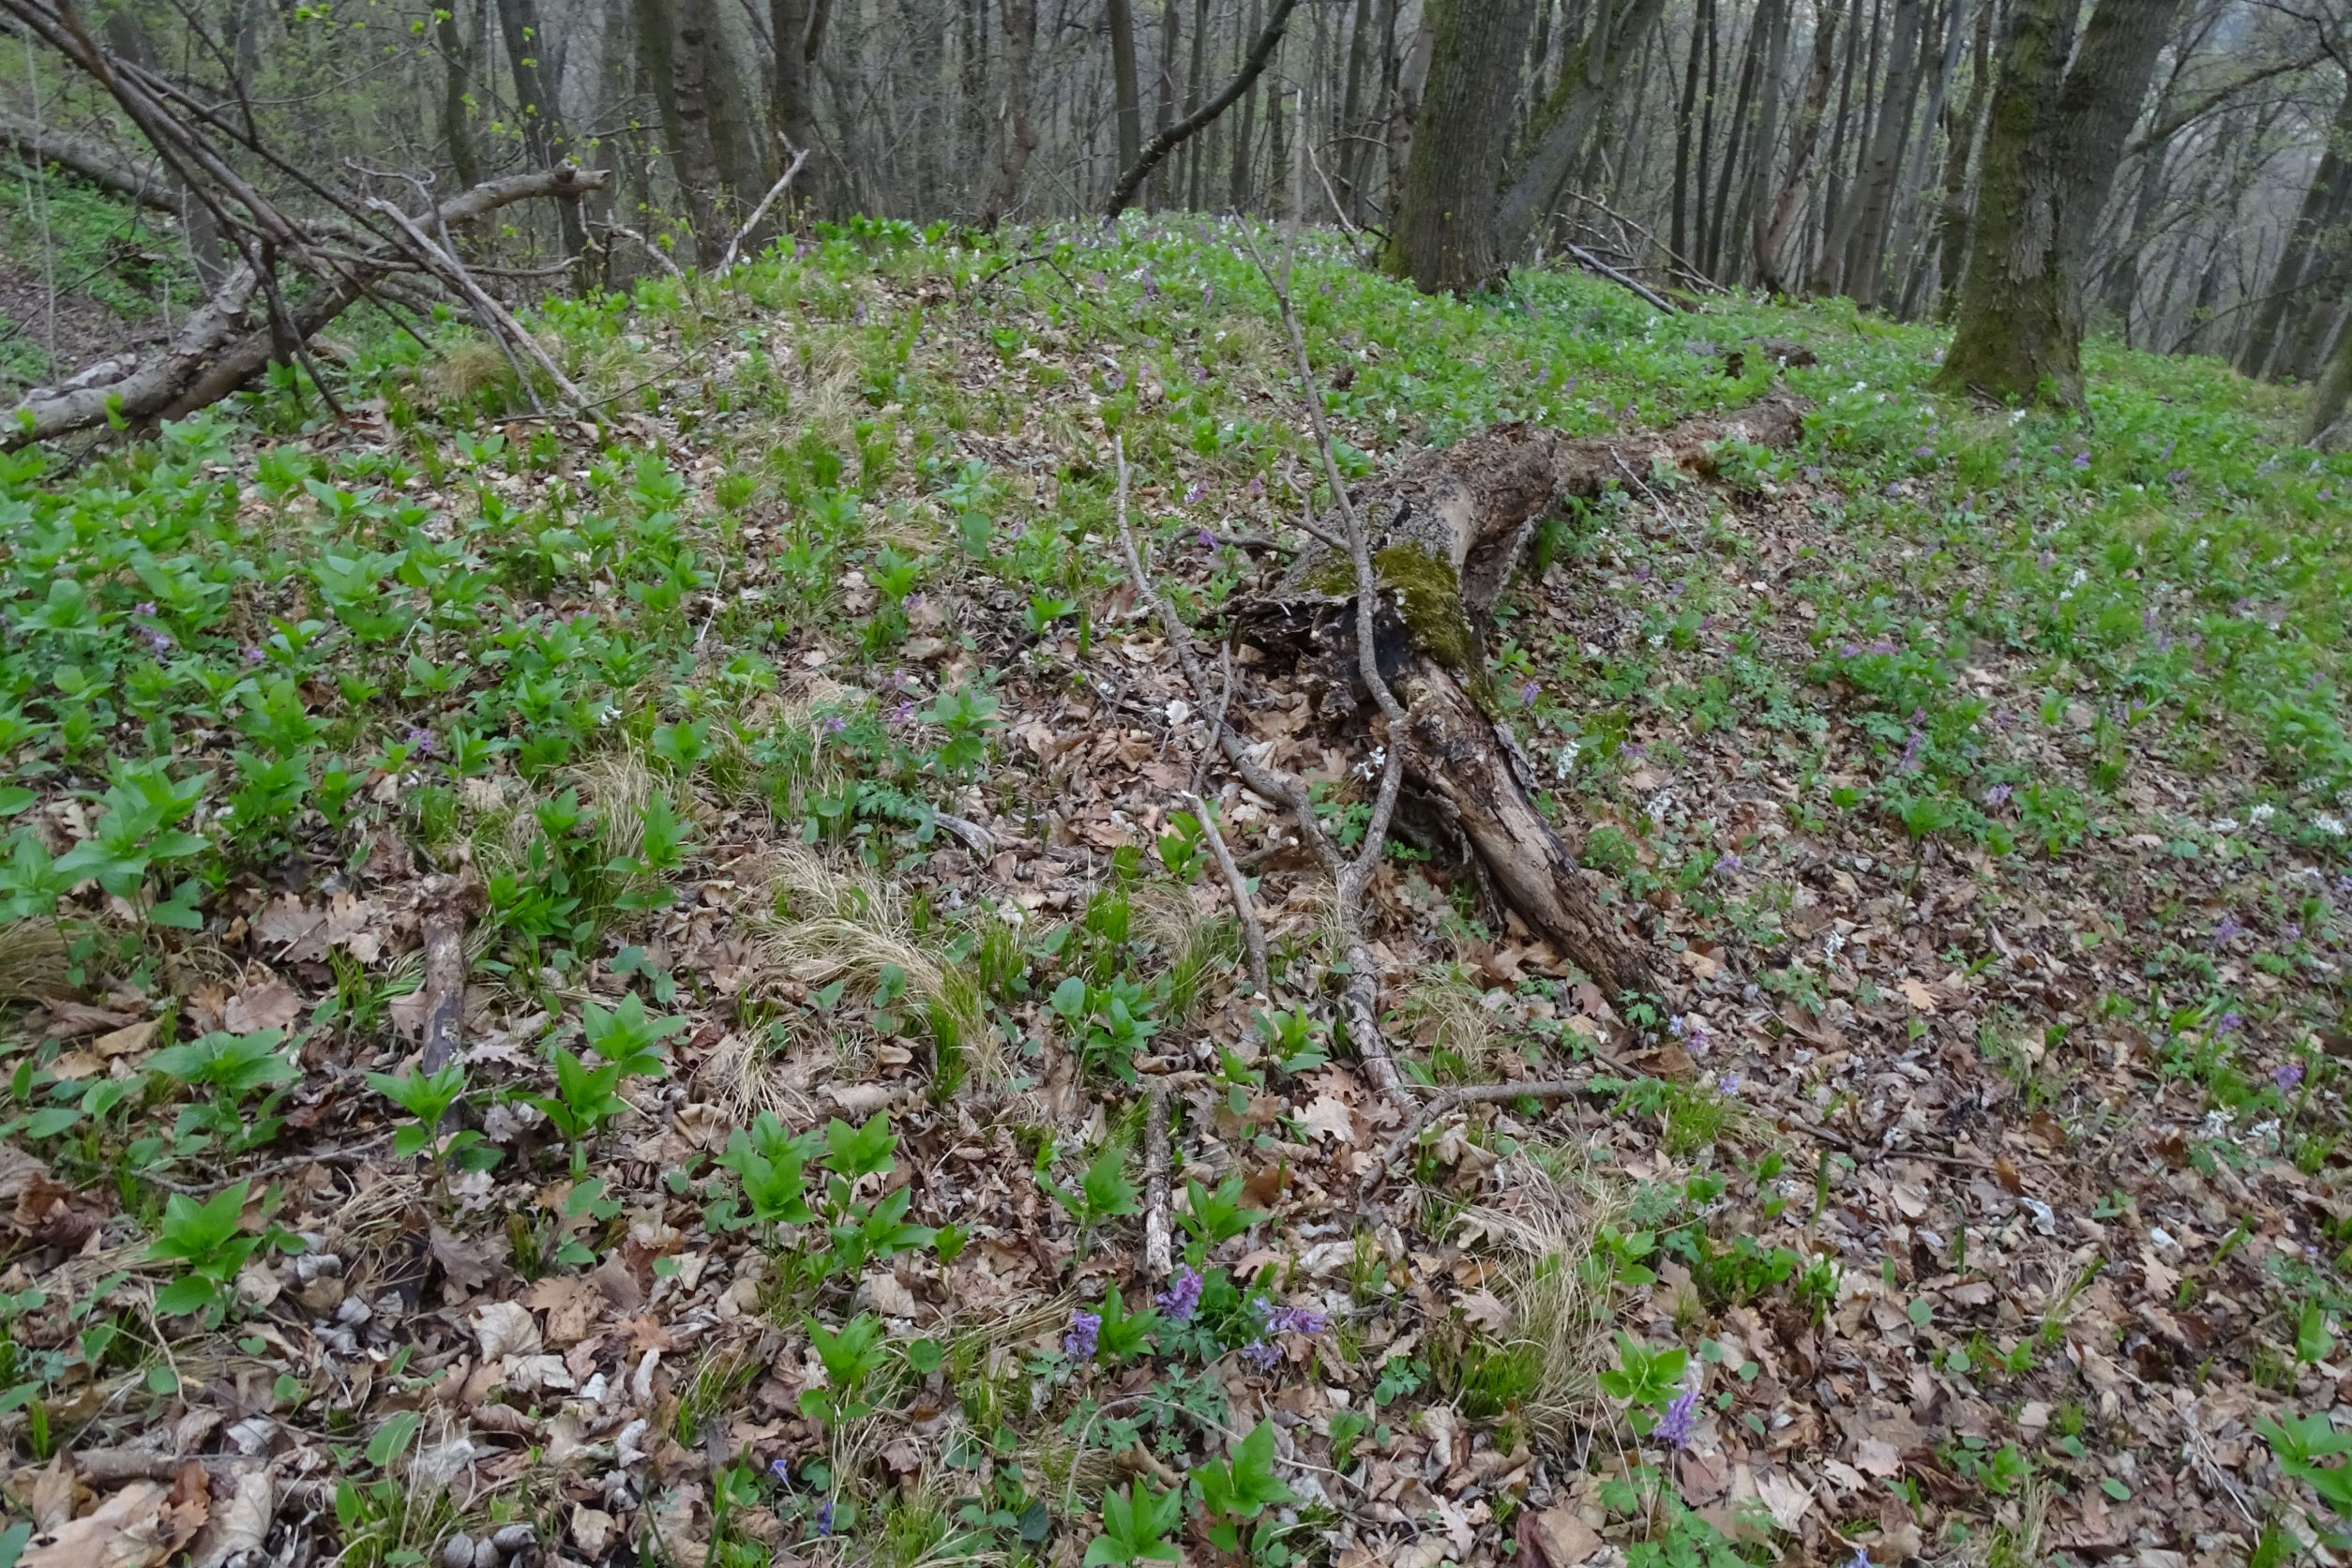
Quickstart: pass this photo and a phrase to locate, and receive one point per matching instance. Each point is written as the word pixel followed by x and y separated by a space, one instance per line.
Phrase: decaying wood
pixel 783 182
pixel 1458 523
pixel 1252 931
pixel 1453 1100
pixel 446 903
pixel 224 343
pixel 1158 1243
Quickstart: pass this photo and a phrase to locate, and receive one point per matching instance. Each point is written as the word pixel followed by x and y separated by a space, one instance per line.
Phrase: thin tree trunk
pixel 1443 235
pixel 1832 188
pixel 1124 84
pixel 1351 118
pixel 1588 86
pixel 1805 140
pixel 1913 204
pixel 1246 134
pixel 457 118
pixel 543 137
pixel 1018 137
pixel 1706 136
pixel 1959 168
pixel 791 107
pixel 1869 214
pixel 1702 20
pixel 1755 220
pixel 2299 259
pixel 1734 144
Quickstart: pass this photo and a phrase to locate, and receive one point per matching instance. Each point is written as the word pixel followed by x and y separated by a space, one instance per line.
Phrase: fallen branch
pixel 40 143
pixel 445 903
pixel 498 321
pixel 1476 1094
pixel 734 247
pixel 1648 295
pixel 1253 933
pixel 1158 1245
pixel 221 346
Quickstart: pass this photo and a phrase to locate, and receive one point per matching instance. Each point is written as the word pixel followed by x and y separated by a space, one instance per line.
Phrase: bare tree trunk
pixel 2302 261
pixel 1351 121
pixel 1586 87
pixel 2051 150
pixel 1913 204
pixel 206 248
pixel 457 118
pixel 1124 84
pixel 1952 222
pixel 1735 142
pixel 1443 235
pixel 1804 140
pixel 1245 137
pixel 2330 427
pixel 1702 24
pixel 1017 139
pixel 1754 221
pixel 1700 222
pixel 543 136
pixel 1863 239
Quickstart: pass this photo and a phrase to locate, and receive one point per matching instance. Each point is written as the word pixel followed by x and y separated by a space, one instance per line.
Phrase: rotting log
pixel 1450 528
pixel 226 342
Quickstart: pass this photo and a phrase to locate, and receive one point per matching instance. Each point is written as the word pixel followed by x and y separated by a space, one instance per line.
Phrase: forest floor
pixel 791 748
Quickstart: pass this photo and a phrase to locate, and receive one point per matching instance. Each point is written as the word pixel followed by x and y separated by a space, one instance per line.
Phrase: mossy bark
pixel 1443 237
pixel 1452 527
pixel 2053 140
pixel 2331 410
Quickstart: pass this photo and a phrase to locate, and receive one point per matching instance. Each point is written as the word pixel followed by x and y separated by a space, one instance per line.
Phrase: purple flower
pixel 2287 1074
pixel 1691 1030
pixel 422 739
pixel 1852 650
pixel 1296 1320
pixel 1728 1084
pixel 860 313
pixel 824 1510
pixel 1261 1356
pixel 160 641
pixel 253 656
pixel 835 723
pixel 1527 694
pixel 2179 475
pixel 2229 930
pixel 782 1470
pixel 2229 1023
pixel 143 608
pixel 1205 539
pixel 2082 459
pixel 1681 1419
pixel 904 713
pixel 1193 491
pixel 1182 1298
pixel 1727 864
pixel 1911 750
pixel 1085 1328
pixel 1998 795
pixel 1859 1559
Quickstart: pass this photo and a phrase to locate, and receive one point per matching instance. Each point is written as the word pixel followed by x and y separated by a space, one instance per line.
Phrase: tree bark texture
pixel 1125 86
pixel 2051 149
pixel 1586 86
pixel 2308 253
pixel 543 136
pixel 1805 140
pixel 1443 235
pixel 1449 529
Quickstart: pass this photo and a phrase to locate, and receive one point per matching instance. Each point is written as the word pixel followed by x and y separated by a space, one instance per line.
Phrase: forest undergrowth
pixel 819 810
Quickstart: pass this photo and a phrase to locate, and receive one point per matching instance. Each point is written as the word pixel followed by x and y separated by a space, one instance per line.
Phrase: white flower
pixel 2079 578
pixel 2225 824
pixel 1833 944
pixel 2018 417
pixel 2262 815
pixel 2332 826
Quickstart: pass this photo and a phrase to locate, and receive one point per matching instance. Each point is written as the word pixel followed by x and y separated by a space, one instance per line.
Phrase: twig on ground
pixel 1648 295
pixel 452 271
pixel 347 1154
pixel 650 248
pixel 1253 933
pixel 444 904
pixel 1453 1100
pixel 1158 1248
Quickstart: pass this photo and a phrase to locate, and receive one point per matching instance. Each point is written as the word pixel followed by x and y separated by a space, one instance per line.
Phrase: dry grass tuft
pixel 1449 1014
pixel 1547 1224
pixel 472 367
pixel 32 960
pixel 828 919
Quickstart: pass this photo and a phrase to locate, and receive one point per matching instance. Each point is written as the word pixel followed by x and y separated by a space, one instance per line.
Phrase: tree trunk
pixel 1017 139
pixel 1702 18
pixel 1905 250
pixel 1239 192
pixel 1587 86
pixel 2304 258
pixel 1735 142
pixel 1125 86
pixel 1443 235
pixel 1803 142
pixel 792 104
pixel 1351 118
pixel 2050 155
pixel 1862 240
pixel 543 137
pixel 1952 222
pixel 1817 266
pixel 457 118
pixel 1754 221
pixel 2330 428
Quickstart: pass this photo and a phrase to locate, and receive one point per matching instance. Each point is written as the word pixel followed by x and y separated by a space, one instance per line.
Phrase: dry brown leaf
pixel 1487 1310
pixel 240 1521
pixel 1556 1538
pixel 505 1328
pixel 125 1530
pixel 470 1261
pixel 52 1502
pixel 271 1004
pixel 131 1040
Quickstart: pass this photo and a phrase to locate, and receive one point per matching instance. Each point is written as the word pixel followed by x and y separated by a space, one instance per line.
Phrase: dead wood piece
pixel 1253 933
pixel 1453 753
pixel 446 902
pixel 1158 1243
pixel 42 144
pixel 783 182
pixel 113 1467
pixel 1477 1093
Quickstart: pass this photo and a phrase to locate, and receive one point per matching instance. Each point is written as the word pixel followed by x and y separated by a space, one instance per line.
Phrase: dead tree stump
pixel 1448 529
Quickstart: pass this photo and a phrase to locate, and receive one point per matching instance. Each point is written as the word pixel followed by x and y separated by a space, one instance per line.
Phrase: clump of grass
pixel 1450 1018
pixel 32 960
pixel 829 919
pixel 468 369
pixel 1557 1339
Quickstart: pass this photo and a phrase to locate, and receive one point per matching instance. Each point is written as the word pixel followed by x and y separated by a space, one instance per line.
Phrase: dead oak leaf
pixel 1329 1118
pixel 127 1530
pixel 271 1004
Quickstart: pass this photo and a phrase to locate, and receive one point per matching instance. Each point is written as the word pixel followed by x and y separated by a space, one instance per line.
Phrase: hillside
pixel 784 762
